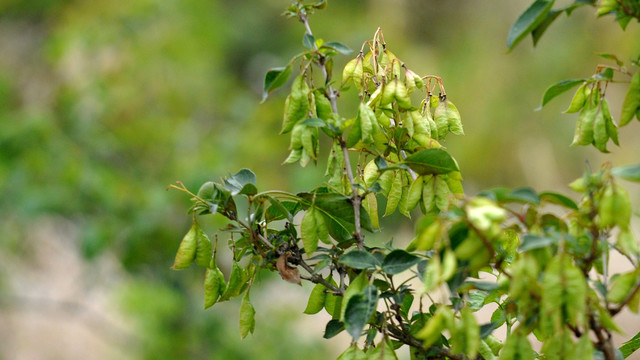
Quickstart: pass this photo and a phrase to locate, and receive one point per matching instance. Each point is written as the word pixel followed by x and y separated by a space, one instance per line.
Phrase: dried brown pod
pixel 288 273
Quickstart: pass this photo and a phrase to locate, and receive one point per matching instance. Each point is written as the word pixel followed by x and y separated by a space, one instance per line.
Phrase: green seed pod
pixel 420 123
pixel 395 193
pixel 187 250
pixel 296 105
pixel 432 124
pixel 294 156
pixel 323 106
pixel 367 65
pixel 407 123
pixel 388 92
pixel 584 126
pixel 296 137
pixel 453 119
pixel 579 99
pixel 370 173
pixel 368 123
pixel 442 193
pixel 214 285
pixel 612 129
pixel 305 158
pixel 410 81
pixel 428 193
pixel 414 194
pixel 449 265
pixel 204 249
pixel 383 120
pixel 600 136
pixel 402 95
pixel 349 69
pixel 615 207
pixel 309 139
pixel 441 119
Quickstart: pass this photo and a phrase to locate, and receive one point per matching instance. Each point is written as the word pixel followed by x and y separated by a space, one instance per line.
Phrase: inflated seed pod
pixel 296 104
pixel 584 125
pixel 323 105
pixel 453 119
pixel 600 136
pixel 186 253
pixel 441 119
pixel 402 95
pixel 579 99
pixel 612 129
pixel 204 250
pixel 388 92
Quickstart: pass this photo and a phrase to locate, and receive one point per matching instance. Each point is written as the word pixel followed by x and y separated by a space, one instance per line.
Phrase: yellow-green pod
pixel 407 123
pixel 579 99
pixel 600 135
pixel 420 123
pixel 402 95
pixel 441 119
pixel 386 180
pixel 388 92
pixel 187 250
pixel 395 193
pixel 296 137
pixel 349 69
pixel 414 194
pixel 612 129
pixel 453 119
pixel 323 106
pixel 441 193
pixel 584 126
pixel 204 250
pixel 214 285
pixel 370 173
pixel 428 193
pixel 631 102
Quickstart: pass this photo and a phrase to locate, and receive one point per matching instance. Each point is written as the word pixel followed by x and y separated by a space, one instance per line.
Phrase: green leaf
pixel 530 242
pixel 628 172
pixel 611 57
pixel 243 182
pixel 247 316
pixel 557 89
pixel 630 346
pixel 275 78
pixel 631 100
pixel 524 194
pixel 353 352
pixel 398 261
pixel 359 309
pixel 333 328
pixel 313 122
pixel 359 259
pixel 338 46
pixel 528 21
pixel 431 161
pixel 383 351
pixel 339 214
pixel 312 229
pixel 622 286
pixel 280 210
pixel 186 253
pixel 536 34
pixel 558 199
pixel 206 191
pixel 316 300
pixel 308 41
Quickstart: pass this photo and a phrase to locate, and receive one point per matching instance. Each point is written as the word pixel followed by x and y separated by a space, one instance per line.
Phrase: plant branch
pixel 332 95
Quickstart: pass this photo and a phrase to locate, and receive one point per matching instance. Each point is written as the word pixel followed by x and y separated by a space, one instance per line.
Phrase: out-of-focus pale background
pixel 104 103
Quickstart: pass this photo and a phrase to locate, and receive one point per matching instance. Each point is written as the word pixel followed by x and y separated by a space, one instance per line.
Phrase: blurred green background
pixel 104 103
